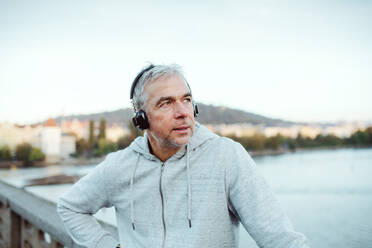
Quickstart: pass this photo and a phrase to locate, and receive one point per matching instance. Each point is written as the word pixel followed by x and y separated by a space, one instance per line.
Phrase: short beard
pixel 166 143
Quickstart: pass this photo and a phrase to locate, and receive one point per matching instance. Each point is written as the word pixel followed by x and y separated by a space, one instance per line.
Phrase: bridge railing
pixel 27 221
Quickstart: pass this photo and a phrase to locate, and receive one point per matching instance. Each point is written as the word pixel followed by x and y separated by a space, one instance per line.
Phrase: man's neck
pixel 161 152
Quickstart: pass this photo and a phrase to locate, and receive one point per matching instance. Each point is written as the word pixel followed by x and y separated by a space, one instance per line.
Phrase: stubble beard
pixel 168 143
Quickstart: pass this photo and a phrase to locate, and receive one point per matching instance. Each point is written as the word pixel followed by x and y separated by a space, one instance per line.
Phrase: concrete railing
pixel 27 221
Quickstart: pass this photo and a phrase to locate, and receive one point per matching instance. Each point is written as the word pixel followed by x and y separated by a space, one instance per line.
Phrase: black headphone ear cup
pixel 196 110
pixel 140 120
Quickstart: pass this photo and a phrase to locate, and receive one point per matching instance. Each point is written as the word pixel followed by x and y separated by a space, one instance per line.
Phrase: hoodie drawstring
pixel 132 193
pixel 189 198
pixel 188 185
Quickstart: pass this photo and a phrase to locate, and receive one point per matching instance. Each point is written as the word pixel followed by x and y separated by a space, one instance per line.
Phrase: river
pixel 326 193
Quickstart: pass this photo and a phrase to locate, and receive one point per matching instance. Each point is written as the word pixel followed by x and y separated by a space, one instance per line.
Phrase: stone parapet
pixel 28 221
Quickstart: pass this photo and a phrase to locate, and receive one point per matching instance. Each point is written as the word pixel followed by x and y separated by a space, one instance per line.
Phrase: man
pixel 179 185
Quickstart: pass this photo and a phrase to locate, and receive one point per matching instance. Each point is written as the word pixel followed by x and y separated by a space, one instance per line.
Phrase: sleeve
pixel 76 206
pixel 253 202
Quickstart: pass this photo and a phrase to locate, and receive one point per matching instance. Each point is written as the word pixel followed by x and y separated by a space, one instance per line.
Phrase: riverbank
pixel 285 151
pixel 40 164
pixel 95 161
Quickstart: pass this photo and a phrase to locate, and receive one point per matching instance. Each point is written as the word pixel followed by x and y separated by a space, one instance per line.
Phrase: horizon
pixel 295 61
pixel 365 122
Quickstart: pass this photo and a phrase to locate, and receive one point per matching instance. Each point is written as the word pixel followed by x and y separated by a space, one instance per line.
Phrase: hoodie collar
pixel 141 145
pixel 200 136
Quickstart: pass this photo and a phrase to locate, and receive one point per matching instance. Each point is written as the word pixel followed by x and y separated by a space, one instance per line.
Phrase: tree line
pixel 98 145
pixel 259 142
pixel 23 152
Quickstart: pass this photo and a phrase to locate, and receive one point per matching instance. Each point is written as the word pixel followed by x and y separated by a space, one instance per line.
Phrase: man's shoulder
pixel 119 158
pixel 205 137
pixel 227 144
pixel 232 150
pixel 116 166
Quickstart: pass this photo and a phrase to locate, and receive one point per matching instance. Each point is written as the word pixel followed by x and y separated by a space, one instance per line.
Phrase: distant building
pixel 310 131
pixel 9 135
pixel 344 130
pixel 115 132
pixel 68 145
pixel 238 130
pixel 79 128
pixel 48 137
pixel 291 132
pixel 12 134
pixel 50 141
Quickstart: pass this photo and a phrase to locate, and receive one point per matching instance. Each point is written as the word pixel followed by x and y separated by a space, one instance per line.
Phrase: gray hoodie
pixel 195 199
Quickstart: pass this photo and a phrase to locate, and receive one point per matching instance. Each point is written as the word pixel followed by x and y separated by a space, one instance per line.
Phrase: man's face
pixel 170 112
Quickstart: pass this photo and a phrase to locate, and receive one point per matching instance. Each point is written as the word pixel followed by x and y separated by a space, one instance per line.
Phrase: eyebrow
pixel 165 98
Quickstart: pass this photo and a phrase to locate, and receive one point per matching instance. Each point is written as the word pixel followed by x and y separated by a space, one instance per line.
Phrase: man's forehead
pixel 171 86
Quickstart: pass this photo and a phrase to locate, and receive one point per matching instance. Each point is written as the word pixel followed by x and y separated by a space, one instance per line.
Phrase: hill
pixel 208 114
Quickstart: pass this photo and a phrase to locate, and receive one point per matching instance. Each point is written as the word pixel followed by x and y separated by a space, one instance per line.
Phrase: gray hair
pixel 158 71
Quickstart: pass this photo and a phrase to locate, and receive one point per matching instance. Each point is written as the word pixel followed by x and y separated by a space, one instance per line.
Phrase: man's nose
pixel 180 110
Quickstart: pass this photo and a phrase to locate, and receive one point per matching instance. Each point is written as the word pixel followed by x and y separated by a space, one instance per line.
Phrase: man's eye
pixel 165 103
pixel 187 100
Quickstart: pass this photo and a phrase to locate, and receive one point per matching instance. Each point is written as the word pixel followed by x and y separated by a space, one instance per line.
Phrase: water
pixel 327 194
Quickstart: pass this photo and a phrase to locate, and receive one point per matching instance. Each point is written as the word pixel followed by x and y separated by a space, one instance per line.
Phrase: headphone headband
pixel 135 81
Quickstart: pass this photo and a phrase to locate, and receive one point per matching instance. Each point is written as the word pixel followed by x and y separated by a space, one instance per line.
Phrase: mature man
pixel 179 185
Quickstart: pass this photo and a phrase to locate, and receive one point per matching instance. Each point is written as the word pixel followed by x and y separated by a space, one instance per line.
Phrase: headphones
pixel 140 119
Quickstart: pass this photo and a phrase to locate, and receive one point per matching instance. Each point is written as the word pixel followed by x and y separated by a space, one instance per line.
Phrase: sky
pixel 293 60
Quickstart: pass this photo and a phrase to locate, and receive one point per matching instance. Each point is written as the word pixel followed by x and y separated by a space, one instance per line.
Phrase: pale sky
pixel 294 60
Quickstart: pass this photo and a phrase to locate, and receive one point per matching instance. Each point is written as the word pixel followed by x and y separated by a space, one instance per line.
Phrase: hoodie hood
pixel 200 136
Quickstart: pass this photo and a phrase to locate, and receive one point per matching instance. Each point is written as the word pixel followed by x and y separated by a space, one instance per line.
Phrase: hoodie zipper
pixel 162 204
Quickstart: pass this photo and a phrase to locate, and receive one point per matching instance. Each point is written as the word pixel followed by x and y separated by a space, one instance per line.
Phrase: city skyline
pixel 297 61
